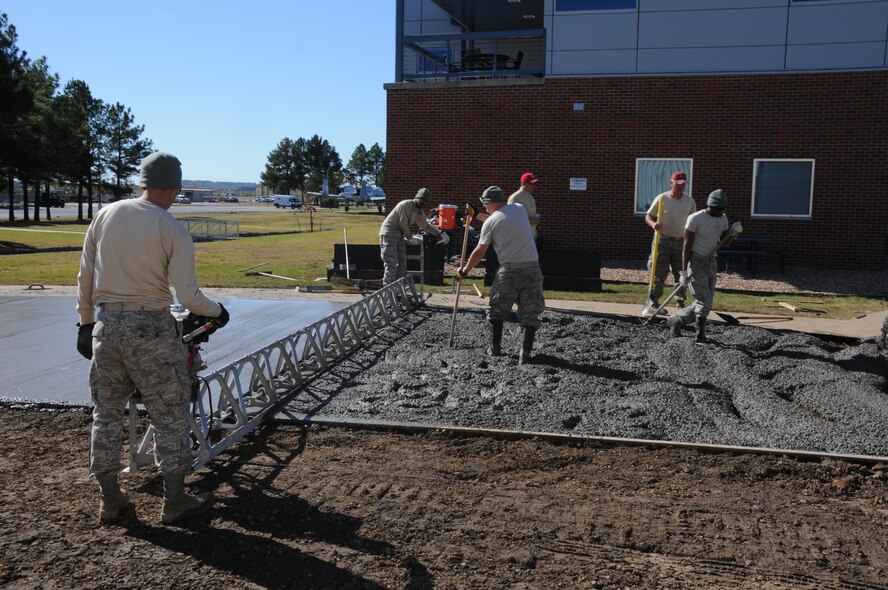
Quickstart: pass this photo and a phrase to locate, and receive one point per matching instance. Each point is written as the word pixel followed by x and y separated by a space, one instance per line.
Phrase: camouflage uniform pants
pixel 394 257
pixel 522 283
pixel 702 274
pixel 139 350
pixel 668 256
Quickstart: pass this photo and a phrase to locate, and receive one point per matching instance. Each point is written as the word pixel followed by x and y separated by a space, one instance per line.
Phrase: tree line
pixel 67 136
pixel 304 164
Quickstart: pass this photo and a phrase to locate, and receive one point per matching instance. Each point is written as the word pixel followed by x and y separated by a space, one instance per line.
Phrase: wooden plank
pixel 788 306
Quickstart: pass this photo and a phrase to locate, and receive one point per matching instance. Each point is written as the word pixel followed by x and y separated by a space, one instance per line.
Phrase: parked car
pixel 54 201
pixel 182 199
pixel 232 200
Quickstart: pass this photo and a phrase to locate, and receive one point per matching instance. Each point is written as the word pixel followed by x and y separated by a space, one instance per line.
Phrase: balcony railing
pixel 455 56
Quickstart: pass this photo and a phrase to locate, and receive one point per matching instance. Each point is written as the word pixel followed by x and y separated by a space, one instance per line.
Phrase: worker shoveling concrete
pixel 612 377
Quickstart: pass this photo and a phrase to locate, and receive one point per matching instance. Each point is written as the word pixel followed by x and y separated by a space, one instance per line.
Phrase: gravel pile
pixel 615 377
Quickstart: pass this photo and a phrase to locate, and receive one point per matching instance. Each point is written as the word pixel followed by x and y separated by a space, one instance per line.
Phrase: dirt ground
pixel 338 508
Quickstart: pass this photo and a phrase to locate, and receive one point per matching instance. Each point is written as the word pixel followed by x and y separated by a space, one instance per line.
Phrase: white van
pixel 285 201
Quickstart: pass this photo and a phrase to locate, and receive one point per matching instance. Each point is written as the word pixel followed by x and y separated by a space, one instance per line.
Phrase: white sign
pixel 577 184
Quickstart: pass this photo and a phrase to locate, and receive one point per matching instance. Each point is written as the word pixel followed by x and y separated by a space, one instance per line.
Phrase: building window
pixel 652 176
pixel 783 188
pixel 577 5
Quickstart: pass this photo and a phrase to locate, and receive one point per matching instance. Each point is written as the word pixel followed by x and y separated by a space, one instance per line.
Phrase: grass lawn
pixel 299 245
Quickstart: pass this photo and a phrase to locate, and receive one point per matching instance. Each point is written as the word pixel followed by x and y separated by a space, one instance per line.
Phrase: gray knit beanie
pixel 161 170
pixel 718 198
pixel 493 194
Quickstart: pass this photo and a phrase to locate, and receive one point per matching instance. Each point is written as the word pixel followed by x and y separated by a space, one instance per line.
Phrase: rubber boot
pixel 526 346
pixel 701 331
pixel 675 325
pixel 179 504
pixel 496 338
pixel 112 499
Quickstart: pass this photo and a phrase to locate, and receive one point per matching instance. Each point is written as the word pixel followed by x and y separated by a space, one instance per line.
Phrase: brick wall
pixel 457 139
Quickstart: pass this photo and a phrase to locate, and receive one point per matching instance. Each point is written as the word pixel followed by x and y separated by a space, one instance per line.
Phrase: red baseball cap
pixel 529 177
pixel 679 177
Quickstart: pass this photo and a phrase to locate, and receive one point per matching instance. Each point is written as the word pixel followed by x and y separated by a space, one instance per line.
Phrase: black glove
pixel 192 322
pixel 461 273
pixel 222 318
pixel 85 340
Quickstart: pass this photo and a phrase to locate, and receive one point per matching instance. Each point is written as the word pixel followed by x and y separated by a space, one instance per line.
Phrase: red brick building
pixel 802 154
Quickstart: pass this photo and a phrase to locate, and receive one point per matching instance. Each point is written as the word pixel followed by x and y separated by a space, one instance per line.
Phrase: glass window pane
pixel 783 188
pixel 652 178
pixel 568 5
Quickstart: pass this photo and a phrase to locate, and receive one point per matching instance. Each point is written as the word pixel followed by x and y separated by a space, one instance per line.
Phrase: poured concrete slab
pixel 39 361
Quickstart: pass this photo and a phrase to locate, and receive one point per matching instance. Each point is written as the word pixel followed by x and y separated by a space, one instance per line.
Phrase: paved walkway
pixel 868 326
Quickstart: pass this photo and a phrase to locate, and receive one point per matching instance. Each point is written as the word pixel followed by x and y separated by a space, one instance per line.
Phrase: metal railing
pixel 211 229
pixel 454 56
pixel 232 401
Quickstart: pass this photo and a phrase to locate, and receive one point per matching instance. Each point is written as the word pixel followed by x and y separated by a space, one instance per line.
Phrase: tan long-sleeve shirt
pixel 132 250
pixel 406 213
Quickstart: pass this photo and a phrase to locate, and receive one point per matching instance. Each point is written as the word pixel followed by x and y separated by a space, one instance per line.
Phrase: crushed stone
pixel 606 376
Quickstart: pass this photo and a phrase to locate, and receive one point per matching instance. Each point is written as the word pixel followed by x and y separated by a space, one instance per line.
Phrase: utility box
pixel 562 270
pixel 365 262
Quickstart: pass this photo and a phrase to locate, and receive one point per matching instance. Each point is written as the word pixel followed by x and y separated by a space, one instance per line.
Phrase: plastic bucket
pixel 446 216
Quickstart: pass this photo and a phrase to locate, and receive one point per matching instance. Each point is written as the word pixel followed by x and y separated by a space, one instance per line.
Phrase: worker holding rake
pixel 667 216
pixel 705 232
pixel 519 278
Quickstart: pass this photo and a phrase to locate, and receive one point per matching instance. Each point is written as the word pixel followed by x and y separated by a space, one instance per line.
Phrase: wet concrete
pixel 614 377
pixel 39 361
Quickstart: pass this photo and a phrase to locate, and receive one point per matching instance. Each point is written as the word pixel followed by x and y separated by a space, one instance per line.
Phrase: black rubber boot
pixel 701 331
pixel 526 346
pixel 496 338
pixel 675 325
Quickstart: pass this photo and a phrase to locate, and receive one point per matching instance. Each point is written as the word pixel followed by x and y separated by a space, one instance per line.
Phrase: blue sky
pixel 220 83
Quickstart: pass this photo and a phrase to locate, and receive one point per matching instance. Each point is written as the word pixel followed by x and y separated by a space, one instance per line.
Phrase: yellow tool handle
pixel 656 245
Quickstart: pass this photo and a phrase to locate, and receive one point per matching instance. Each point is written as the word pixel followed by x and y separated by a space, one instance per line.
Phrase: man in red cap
pixel 668 222
pixel 524 197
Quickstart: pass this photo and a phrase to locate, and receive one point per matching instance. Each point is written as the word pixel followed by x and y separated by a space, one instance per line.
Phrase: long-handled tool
pixel 345 245
pixel 735 320
pixel 649 304
pixel 728 238
pixel 462 260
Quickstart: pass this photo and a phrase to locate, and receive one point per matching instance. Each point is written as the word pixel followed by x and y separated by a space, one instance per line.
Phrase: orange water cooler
pixel 447 217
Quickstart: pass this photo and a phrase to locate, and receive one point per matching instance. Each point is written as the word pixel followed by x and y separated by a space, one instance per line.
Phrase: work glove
pixel 414 241
pixel 444 238
pixel 221 319
pixel 683 278
pixel 85 340
pixel 192 322
pixel 461 273
pixel 736 229
pixel 470 211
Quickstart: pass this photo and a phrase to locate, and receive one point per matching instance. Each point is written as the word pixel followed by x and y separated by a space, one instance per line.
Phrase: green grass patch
pixel 291 249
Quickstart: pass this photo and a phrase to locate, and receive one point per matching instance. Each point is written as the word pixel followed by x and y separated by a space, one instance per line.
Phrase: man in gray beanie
pixel 395 234
pixel 132 249
pixel 704 234
pixel 518 279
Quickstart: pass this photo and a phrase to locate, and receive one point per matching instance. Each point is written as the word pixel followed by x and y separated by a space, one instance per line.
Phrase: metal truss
pixel 232 401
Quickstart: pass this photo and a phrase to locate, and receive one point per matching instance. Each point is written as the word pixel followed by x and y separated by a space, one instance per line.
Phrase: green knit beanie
pixel 161 170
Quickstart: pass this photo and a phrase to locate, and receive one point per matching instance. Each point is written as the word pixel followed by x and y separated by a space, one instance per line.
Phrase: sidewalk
pixel 869 326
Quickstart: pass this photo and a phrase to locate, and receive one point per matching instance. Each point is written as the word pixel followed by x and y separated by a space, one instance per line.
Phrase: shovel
pixel 462 259
pixel 735 321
